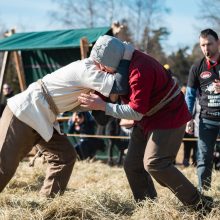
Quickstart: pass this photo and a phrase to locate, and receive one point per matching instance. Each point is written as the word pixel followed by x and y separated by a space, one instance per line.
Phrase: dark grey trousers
pixel 154 156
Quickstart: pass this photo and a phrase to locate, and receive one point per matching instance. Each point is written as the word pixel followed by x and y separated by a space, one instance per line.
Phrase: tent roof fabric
pixel 51 39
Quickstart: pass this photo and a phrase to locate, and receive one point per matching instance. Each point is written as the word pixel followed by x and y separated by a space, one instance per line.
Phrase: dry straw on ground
pixel 95 191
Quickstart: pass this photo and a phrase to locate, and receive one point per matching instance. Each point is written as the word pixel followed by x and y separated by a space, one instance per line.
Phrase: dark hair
pixel 207 32
pixel 80 114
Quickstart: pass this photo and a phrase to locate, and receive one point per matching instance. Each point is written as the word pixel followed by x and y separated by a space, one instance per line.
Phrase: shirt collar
pixel 211 64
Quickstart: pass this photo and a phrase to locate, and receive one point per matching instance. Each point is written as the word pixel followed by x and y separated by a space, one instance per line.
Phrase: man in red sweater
pixel 158 108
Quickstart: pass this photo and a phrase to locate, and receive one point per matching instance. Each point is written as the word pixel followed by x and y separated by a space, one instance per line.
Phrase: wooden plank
pixel 2 74
pixel 84 47
pixel 18 66
pixel 19 70
pixel 63 118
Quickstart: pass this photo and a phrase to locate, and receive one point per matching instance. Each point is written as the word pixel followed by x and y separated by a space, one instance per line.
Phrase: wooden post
pixel 19 70
pixel 18 66
pixel 2 74
pixel 84 47
pixel 4 61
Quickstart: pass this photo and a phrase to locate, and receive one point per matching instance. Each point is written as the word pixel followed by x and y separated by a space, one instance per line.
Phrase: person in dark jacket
pixel 83 123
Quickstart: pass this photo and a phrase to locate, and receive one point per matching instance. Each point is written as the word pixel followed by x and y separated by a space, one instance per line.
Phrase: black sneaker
pixel 204 205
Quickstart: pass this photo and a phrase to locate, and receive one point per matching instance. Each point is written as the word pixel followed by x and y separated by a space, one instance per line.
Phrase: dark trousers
pixel 208 134
pixel 188 147
pixel 17 139
pixel 154 155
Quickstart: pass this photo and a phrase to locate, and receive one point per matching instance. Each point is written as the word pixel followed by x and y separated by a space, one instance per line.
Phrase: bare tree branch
pixel 210 13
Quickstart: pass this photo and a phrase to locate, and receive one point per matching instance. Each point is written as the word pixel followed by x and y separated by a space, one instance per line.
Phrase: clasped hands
pixel 91 101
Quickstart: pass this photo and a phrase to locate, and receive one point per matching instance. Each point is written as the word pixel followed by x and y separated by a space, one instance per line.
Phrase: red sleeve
pixel 141 85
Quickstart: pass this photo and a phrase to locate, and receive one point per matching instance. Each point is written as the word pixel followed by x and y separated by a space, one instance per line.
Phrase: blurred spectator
pixel 114 128
pixel 7 93
pixel 83 123
pixel 170 72
pixel 189 145
pixel 108 125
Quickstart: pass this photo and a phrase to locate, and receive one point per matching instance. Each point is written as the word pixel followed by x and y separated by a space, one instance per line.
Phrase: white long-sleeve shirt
pixel 64 85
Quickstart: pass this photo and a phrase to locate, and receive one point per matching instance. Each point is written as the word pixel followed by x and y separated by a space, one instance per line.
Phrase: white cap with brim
pixel 108 51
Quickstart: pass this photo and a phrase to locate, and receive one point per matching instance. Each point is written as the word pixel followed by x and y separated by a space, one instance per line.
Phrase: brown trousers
pixel 17 139
pixel 155 155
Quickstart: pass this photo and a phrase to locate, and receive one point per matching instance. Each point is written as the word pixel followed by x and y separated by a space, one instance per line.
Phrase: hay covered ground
pixel 95 191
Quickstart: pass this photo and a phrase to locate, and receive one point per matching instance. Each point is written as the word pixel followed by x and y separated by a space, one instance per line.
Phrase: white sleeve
pixel 97 80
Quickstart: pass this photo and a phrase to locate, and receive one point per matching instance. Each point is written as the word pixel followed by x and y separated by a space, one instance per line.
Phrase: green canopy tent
pixel 39 53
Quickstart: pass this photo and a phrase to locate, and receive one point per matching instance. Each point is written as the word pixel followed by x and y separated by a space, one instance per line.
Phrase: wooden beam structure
pixel 19 67
pixel 84 47
pixel 3 68
pixel 2 73
pixel 19 70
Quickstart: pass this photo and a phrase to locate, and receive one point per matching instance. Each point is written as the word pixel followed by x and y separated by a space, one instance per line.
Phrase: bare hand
pixel 74 117
pixel 92 101
pixel 216 86
pixel 190 127
pixel 126 123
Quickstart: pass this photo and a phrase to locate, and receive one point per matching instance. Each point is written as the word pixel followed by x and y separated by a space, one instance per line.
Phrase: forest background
pixel 145 23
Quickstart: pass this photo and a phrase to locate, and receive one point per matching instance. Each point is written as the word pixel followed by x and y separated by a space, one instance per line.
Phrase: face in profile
pixel 104 68
pixel 79 118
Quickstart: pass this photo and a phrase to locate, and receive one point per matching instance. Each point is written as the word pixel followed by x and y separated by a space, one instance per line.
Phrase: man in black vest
pixel 204 76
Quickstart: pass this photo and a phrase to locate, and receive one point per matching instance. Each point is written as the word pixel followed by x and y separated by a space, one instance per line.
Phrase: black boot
pixel 204 205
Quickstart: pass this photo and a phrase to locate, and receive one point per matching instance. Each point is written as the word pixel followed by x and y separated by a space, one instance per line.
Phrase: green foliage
pixel 153 45
pixel 180 64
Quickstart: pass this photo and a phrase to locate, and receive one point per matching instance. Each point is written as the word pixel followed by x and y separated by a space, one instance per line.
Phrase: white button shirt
pixel 64 85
